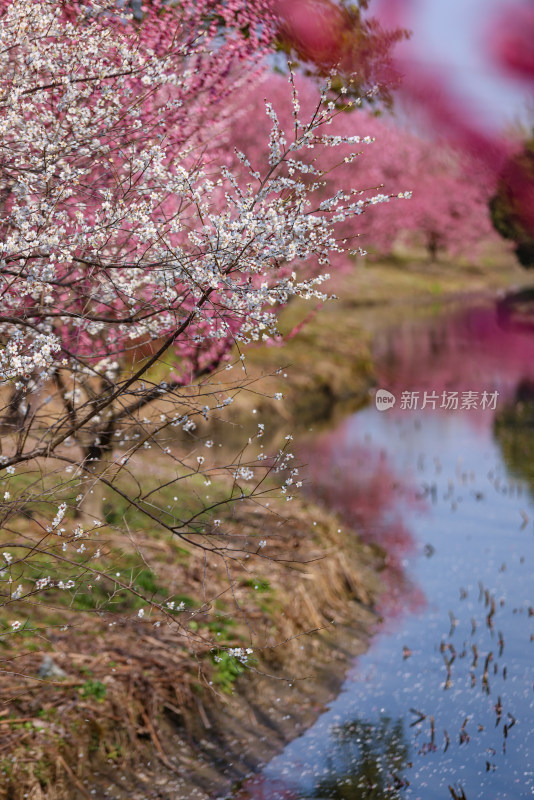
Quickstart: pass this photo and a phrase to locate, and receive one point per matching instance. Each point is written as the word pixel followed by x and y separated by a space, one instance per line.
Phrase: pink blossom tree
pixel 132 259
pixel 448 211
pixel 328 36
pixel 507 35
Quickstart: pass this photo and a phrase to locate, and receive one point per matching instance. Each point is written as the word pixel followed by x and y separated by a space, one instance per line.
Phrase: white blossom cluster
pixel 24 355
pixel 242 654
pixel 43 583
pixel 58 518
pixel 109 235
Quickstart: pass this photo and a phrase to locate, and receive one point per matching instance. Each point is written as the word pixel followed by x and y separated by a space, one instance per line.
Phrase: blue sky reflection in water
pixel 445 696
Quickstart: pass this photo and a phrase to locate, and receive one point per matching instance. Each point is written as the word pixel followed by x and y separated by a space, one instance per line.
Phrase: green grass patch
pixel 95 689
pixel 258 584
pixel 226 671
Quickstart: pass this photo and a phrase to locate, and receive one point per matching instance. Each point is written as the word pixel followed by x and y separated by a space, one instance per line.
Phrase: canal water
pixel 442 705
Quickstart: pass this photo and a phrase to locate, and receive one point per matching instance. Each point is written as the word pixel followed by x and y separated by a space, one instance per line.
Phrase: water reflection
pixel 472 349
pixel 514 431
pixel 370 496
pixel 443 702
pixel 366 761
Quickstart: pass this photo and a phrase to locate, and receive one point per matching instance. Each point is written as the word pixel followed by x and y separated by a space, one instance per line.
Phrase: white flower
pixel 141 613
pixel 59 516
pixel 244 472
pixel 15 625
pixel 240 654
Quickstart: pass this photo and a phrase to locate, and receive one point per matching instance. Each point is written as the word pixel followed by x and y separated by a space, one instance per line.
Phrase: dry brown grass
pixel 135 692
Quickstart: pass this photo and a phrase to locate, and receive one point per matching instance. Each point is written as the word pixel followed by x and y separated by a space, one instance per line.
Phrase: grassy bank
pixel 143 706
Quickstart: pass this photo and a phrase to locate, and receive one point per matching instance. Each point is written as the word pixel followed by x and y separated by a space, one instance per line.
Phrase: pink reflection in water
pixel 355 480
pixel 474 350
pixel 263 788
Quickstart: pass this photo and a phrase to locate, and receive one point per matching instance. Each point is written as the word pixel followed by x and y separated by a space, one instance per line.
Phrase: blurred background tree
pixel 325 37
pixel 512 206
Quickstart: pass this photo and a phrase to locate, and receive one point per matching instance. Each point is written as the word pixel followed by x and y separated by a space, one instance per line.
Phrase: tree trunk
pixel 432 245
pixel 95 461
pixel 13 412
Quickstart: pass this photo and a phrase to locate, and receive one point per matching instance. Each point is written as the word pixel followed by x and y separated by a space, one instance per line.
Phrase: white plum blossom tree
pixel 133 260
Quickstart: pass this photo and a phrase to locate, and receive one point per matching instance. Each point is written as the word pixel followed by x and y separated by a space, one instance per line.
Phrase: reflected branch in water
pixel 514 433
pixel 366 762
